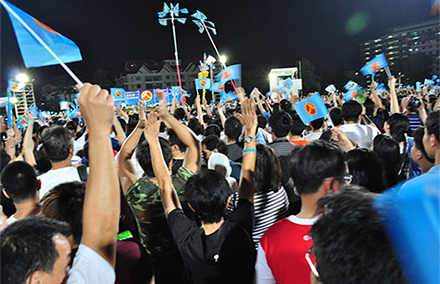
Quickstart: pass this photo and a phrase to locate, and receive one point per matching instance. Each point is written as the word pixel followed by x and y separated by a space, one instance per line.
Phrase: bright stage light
pixel 22 78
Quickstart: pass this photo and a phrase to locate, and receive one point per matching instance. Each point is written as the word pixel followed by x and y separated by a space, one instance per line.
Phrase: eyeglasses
pixel 312 266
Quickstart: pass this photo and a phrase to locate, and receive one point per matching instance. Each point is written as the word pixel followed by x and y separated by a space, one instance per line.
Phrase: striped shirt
pixel 414 121
pixel 269 207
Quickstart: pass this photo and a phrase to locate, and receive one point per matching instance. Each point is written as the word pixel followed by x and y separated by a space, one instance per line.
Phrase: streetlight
pixel 223 59
pixel 22 78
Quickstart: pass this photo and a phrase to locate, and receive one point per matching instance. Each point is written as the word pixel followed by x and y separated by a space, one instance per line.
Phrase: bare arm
pixel 102 198
pixel 199 110
pixel 222 115
pixel 260 106
pixel 394 103
pixel 375 98
pixel 28 143
pixel 120 135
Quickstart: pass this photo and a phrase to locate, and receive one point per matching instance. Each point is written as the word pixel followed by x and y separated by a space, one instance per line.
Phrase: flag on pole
pixel 230 73
pixel 288 83
pixel 311 108
pixel 428 82
pixel 374 65
pixel 203 84
pixel 22 122
pixel 15 86
pixel 350 84
pixel 356 93
pixel 228 97
pixel 33 52
pixel 218 88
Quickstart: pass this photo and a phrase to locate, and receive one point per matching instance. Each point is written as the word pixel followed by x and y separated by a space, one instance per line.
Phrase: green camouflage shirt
pixel 144 200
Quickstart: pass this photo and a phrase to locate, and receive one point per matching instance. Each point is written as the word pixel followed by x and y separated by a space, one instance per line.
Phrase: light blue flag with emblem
pixel 374 65
pixel 428 82
pixel 33 52
pixel 218 88
pixel 356 93
pixel 311 108
pixel 230 73
pixel 203 84
pixel 15 86
pixel 118 93
pixel 228 97
pixel 22 122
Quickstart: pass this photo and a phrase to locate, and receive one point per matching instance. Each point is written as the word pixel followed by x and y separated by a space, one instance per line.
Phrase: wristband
pixel 249 150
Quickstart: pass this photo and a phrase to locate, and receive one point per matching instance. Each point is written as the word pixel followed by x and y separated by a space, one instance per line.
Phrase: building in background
pixel 401 42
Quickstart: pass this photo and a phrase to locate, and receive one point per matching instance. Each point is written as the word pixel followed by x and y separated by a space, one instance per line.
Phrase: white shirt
pixel 362 135
pixel 55 177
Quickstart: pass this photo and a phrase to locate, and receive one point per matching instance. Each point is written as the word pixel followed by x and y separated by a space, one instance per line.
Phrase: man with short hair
pixel 362 135
pixel 279 126
pixel 21 186
pixel 58 146
pixel 317 169
pixel 233 130
pixel 316 126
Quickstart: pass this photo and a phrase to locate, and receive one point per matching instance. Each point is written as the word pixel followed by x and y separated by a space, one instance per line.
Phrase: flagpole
pixel 9 110
pixel 216 50
pixel 74 77
pixel 176 55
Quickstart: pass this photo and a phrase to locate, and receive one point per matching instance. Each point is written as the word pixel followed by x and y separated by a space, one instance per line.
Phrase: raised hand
pixel 152 126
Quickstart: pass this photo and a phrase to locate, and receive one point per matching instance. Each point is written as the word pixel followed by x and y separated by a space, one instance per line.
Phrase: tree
pixel 101 77
pixel 309 79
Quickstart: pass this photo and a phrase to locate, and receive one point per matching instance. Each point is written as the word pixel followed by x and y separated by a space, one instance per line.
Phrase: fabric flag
pixel 418 86
pixel 33 52
pixel 311 108
pixel 350 84
pixel 374 65
pixel 72 113
pixel 356 93
pixel 428 82
pixel 34 111
pixel 148 96
pixel 64 105
pixel 218 88
pixel 203 84
pixel 179 93
pixel 435 7
pixel 331 89
pixel 230 73
pixel 288 83
pixel 15 86
pixel 228 97
pixel 22 122
pixel 118 93
pixel 255 93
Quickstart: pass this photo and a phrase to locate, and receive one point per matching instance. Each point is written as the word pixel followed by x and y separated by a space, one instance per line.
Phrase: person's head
pixel 388 150
pixel 285 105
pixel 35 248
pixel 397 125
pixel 351 111
pixel 267 174
pixel 213 143
pixel 350 244
pixel 317 123
pixel 316 164
pixel 144 157
pixel 207 193
pixel 336 116
pixel 65 203
pixel 233 128
pixel 262 121
pixel 19 181
pixel 212 129
pixel 298 126
pixel 369 107
pixel 418 153
pixel 280 123
pixel 220 163
pixel 179 113
pixel 414 104
pixel 176 144
pixel 195 126
pixel 431 138
pixel 57 143
pixel 367 170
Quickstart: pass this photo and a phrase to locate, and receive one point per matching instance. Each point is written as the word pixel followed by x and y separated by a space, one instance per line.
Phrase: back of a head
pixel 27 245
pixel 57 142
pixel 212 142
pixel 369 107
pixel 212 129
pixel 175 140
pixel 179 113
pixel 65 203
pixel 432 124
pixel 367 170
pixel 388 150
pixel 317 123
pixel 262 121
pixel 207 192
pixel 285 105
pixel 280 122
pixel 350 242
pixel 144 158
pixel 267 175
pixel 195 126
pixel 399 125
pixel 351 110
pixel 20 181
pixel 336 116
pixel 233 128
pixel 315 162
pixel 298 126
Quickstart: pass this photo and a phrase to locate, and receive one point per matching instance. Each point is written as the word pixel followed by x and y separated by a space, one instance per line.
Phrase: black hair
pixel 65 203
pixel 20 181
pixel 267 174
pixel 418 143
pixel 144 158
pixel 4 159
pixel 432 124
pixel 57 142
pixel 315 162
pixel 175 140
pixel 233 128
pixel 298 126
pixel 212 129
pixel 369 107
pixel 336 116
pixel 317 123
pixel 351 110
pixel 285 105
pixel 216 121
pixel 399 125
pixel 27 245
pixel 350 243
pixel 207 119
pixel 207 192
pixel 388 150
pixel 195 126
pixel 280 122
pixel 213 142
pixel 43 162
pixel 179 113
pixel 367 169
pixel 262 121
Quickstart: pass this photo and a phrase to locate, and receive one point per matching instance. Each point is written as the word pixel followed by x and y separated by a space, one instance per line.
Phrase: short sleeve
pixel 91 268
pixel 180 226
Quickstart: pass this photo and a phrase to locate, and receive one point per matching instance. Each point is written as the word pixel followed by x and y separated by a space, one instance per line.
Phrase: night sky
pixel 257 34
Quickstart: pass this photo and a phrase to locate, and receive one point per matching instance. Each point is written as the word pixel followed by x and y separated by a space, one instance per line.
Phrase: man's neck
pixel 61 164
pixel 179 155
pixel 294 137
pixel 26 208
pixel 212 227
pixel 308 206
pixel 351 122
pixel 230 141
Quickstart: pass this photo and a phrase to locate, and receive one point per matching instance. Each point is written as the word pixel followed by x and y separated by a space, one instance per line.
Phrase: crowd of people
pixel 241 192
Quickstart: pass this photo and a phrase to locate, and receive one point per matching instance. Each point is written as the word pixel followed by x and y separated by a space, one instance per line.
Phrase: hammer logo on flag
pixel 310 108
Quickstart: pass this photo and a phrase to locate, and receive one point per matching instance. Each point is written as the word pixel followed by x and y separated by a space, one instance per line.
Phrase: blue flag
pixel 118 93
pixel 228 97
pixel 428 82
pixel 148 96
pixel 218 88
pixel 230 73
pixel 22 122
pixel 288 83
pixel 350 84
pixel 311 108
pixel 33 52
pixel 15 86
pixel 374 65
pixel 355 93
pixel 203 84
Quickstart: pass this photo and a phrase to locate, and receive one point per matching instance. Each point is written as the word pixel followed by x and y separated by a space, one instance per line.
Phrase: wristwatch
pixel 249 139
